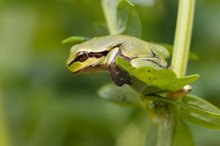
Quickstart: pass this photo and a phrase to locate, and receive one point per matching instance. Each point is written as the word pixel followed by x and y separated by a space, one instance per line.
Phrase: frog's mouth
pixel 90 55
pixel 91 69
pixel 87 62
pixel 87 66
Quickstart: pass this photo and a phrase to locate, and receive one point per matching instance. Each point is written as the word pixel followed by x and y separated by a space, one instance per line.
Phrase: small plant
pixel 147 81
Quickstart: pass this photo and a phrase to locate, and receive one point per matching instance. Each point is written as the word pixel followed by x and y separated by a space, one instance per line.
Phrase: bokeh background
pixel 43 104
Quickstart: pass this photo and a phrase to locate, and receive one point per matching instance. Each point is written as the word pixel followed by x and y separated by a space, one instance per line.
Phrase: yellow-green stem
pixel 179 64
pixel 183 36
pixel 167 128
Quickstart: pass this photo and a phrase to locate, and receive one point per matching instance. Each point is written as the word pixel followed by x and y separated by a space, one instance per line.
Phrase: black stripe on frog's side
pixel 91 55
pixel 97 54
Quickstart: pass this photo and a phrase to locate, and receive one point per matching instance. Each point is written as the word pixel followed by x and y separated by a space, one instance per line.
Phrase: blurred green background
pixel 43 104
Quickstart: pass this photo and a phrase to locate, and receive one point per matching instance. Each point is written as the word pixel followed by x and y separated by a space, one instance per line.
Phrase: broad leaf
pixel 164 79
pixel 143 2
pixel 75 40
pixel 109 8
pixel 200 112
pixel 128 20
pixel 121 17
pixel 124 95
pixel 195 110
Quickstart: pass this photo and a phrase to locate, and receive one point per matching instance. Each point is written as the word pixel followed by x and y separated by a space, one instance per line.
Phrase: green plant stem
pixel 183 36
pixel 167 131
pixel 167 128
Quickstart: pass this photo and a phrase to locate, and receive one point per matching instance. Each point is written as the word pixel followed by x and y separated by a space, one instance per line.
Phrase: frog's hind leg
pixel 150 62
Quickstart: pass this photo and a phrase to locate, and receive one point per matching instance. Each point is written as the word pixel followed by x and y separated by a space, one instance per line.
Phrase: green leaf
pixel 128 21
pixel 195 110
pixel 183 135
pixel 124 95
pixel 143 2
pixel 200 112
pixel 75 39
pixel 122 17
pixel 164 79
pixel 109 8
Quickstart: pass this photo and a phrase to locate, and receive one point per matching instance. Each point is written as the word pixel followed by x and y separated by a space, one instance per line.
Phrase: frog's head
pixel 93 55
pixel 84 59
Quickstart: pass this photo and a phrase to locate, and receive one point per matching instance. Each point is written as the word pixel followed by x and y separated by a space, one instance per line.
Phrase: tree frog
pixel 100 53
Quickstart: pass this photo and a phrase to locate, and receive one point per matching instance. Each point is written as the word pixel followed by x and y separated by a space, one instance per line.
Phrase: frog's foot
pixel 119 76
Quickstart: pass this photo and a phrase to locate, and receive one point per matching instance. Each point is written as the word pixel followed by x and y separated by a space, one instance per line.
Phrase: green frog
pixel 100 53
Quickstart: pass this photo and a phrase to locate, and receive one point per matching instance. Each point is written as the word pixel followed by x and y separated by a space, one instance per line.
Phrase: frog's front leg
pixel 153 62
pixel 119 76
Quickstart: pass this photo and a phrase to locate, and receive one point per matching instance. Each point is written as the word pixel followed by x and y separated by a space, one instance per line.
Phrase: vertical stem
pixel 167 128
pixel 166 135
pixel 183 36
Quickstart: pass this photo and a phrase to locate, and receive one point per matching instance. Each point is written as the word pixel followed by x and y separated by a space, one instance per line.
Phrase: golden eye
pixel 82 56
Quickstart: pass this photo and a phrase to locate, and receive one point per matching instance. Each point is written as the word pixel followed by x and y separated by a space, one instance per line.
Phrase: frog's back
pixel 133 47
pixel 130 46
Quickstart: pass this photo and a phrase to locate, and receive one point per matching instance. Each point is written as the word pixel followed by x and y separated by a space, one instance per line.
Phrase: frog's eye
pixel 82 56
